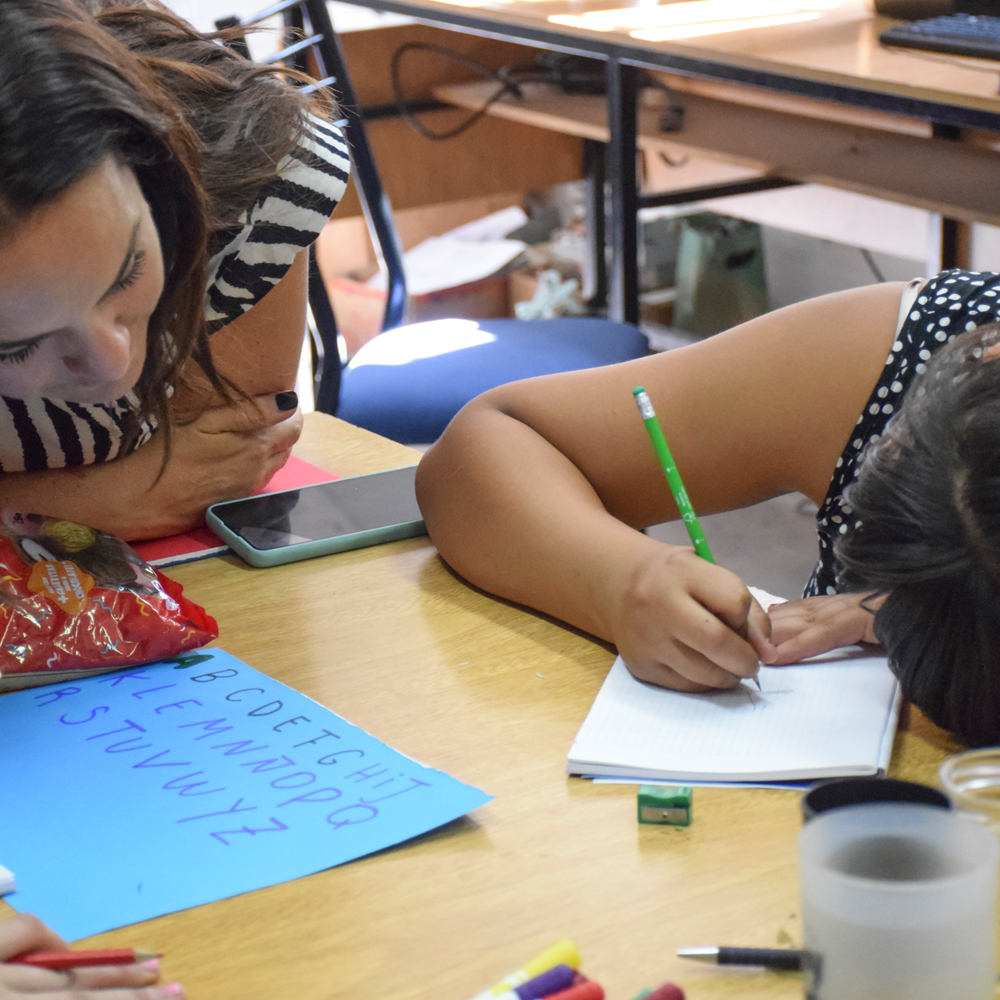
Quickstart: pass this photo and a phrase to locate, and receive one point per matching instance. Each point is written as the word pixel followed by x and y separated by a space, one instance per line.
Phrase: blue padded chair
pixel 407 383
pixel 410 381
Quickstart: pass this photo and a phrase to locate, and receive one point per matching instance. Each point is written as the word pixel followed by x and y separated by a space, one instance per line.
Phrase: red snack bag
pixel 74 600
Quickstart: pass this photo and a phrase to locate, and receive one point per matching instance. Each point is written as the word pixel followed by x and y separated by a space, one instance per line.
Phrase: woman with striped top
pixel 157 195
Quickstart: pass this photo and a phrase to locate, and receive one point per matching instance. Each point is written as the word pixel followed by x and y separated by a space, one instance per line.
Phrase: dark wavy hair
pixel 928 499
pixel 201 127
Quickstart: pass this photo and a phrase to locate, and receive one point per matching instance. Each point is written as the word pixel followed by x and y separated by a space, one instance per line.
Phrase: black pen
pixel 782 959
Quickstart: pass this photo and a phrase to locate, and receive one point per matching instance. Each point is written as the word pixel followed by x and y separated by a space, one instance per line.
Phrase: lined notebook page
pixel 833 715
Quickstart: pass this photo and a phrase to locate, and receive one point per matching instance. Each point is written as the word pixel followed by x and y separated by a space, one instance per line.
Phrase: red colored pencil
pixel 60 961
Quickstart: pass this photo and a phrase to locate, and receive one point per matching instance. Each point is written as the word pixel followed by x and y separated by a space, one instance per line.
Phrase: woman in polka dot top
pixel 537 488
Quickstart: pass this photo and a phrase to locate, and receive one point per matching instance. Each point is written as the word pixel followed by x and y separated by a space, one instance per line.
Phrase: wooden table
pixel 492 694
pixel 814 100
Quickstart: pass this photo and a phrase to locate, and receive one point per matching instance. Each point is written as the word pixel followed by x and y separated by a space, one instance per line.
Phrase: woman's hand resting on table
pixel 222 453
pixel 687 624
pixel 23 933
pixel 816 625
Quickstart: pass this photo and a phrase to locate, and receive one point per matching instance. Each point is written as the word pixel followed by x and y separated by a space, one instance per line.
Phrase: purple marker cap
pixel 559 977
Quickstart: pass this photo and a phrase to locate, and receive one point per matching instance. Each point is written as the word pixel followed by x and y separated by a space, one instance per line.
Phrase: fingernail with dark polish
pixel 287 400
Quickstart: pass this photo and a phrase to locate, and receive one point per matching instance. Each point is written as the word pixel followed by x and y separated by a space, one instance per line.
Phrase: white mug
pixel 898 903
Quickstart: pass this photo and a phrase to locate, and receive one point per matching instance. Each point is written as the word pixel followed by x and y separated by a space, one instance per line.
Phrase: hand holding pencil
pixel 686 623
pixel 62 973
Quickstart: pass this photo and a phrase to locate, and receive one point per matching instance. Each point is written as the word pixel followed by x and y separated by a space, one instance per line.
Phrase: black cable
pixel 506 85
pixel 870 261
pixel 569 72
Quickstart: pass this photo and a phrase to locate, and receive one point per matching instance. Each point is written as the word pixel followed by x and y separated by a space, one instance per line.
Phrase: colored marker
pixel 561 953
pixel 585 991
pixel 668 991
pixel 559 977
pixel 60 961
pixel 780 959
pixel 674 480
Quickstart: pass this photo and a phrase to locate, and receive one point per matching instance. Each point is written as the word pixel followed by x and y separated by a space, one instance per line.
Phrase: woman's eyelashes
pixel 25 351
pixel 133 274
pixel 19 354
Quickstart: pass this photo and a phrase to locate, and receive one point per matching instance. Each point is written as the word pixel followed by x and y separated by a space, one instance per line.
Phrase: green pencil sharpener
pixel 669 804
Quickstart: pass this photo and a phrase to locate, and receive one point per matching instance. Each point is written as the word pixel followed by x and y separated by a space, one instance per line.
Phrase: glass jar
pixel 972 780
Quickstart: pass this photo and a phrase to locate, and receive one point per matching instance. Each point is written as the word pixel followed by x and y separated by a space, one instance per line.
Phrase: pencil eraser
pixel 7 882
pixel 670 804
pixel 668 991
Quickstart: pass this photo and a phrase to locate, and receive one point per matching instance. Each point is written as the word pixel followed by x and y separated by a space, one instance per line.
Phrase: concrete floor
pixel 771 545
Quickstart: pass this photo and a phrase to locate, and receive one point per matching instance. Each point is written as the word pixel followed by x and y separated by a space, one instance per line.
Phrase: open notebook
pixel 834 715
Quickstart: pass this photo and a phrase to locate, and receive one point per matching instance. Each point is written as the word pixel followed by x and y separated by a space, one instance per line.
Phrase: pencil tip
pixel 706 954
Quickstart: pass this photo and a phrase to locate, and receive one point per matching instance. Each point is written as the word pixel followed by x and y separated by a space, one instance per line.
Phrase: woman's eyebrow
pixel 126 263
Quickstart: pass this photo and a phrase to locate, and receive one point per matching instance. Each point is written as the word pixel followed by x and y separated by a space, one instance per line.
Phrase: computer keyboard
pixel 957 34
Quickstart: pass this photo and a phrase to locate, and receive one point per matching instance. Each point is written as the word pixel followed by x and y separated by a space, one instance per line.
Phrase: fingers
pixel 686 624
pixel 114 976
pixel 169 991
pixel 28 979
pixel 25 932
pixel 816 625
pixel 248 415
pixel 759 634
pixel 725 642
pixel 682 669
pixel 125 982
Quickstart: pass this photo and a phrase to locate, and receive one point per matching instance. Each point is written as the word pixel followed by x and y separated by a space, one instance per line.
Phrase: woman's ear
pixel 992 352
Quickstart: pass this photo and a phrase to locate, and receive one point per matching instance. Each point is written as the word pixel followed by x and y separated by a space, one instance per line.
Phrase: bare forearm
pixel 516 517
pixel 512 513
pixel 111 497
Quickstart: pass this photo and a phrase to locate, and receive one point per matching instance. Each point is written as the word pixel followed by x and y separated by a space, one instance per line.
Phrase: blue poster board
pixel 138 793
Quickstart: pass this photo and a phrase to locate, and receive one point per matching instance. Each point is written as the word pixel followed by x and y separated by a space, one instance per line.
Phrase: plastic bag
pixel 74 600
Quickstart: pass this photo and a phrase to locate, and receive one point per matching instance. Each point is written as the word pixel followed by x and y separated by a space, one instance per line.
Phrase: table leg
pixel 954 234
pixel 622 95
pixel 374 201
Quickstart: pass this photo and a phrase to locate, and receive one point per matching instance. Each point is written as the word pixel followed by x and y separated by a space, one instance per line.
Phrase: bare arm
pixel 259 351
pixel 535 490
pixel 218 453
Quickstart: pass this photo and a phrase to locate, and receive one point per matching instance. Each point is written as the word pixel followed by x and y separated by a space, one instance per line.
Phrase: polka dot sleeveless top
pixel 947 305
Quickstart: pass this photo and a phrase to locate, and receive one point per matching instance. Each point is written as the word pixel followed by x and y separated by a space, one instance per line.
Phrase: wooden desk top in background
pixel 836 55
pixel 391 640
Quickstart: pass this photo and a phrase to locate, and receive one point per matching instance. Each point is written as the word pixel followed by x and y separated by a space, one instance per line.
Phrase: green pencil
pixel 674 480
pixel 662 450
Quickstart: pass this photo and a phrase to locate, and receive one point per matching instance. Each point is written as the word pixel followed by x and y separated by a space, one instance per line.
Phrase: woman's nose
pixel 104 353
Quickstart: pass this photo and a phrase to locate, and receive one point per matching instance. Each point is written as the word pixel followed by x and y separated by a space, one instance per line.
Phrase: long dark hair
pixel 201 127
pixel 928 499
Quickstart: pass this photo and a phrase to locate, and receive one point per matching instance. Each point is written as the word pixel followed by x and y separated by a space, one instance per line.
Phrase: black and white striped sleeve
pixel 288 215
pixel 39 434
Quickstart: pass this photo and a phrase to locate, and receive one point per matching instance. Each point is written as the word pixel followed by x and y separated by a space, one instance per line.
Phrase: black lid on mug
pixel 839 792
